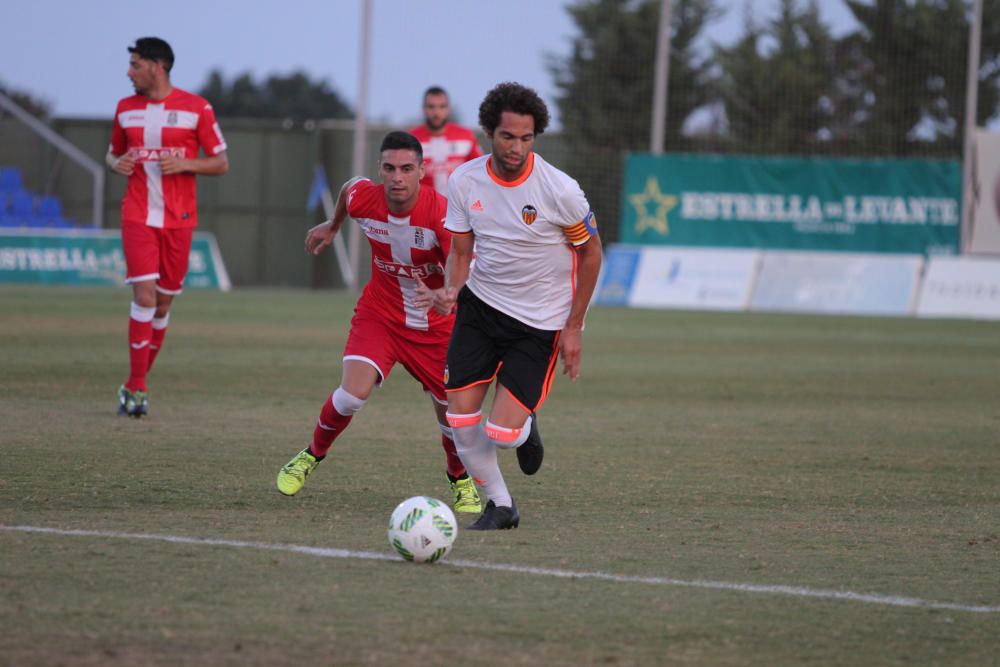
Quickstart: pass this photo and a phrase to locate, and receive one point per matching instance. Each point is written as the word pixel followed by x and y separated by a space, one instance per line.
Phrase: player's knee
pixel 141 313
pixel 463 430
pixel 457 421
pixel 508 438
pixel 346 403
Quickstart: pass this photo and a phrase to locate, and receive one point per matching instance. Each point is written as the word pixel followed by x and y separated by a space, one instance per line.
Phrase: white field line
pixel 326 552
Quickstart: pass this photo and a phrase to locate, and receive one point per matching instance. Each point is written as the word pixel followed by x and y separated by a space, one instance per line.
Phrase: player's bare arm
pixel 211 165
pixel 322 235
pixel 456 271
pixel 571 340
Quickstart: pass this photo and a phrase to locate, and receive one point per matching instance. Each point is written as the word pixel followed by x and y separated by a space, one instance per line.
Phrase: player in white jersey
pixel 522 302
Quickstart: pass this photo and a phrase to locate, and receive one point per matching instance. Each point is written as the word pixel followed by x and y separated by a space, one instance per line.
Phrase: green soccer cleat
pixel 465 494
pixel 132 403
pixel 292 476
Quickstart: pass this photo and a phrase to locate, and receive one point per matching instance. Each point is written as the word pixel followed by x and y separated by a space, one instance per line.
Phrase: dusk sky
pixel 73 55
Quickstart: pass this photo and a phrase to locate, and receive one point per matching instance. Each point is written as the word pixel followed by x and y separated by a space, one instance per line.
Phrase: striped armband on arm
pixel 581 232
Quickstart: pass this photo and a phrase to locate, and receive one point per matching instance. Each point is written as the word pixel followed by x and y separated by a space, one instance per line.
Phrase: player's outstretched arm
pixel 322 235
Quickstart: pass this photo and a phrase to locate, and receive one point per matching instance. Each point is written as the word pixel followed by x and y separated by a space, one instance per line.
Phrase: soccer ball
pixel 422 529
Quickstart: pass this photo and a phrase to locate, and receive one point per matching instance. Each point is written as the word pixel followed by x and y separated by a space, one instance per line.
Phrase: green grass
pixel 850 454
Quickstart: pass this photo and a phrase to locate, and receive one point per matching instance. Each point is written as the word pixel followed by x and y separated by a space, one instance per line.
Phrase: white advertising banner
pixel 693 278
pixel 961 287
pixel 984 236
pixel 844 283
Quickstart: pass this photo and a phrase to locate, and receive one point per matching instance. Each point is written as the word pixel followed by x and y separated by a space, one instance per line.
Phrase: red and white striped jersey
pixel 404 248
pixel 178 124
pixel 444 152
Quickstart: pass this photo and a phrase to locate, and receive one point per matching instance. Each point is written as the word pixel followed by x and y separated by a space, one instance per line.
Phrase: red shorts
pixel 383 345
pixel 155 253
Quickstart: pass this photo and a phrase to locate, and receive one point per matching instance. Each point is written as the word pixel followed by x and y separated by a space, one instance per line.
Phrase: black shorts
pixel 487 344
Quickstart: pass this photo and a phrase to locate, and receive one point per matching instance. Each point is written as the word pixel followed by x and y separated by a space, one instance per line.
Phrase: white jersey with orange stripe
pixel 524 264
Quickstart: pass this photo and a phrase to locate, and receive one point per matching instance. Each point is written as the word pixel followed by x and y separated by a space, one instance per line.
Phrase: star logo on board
pixel 652 208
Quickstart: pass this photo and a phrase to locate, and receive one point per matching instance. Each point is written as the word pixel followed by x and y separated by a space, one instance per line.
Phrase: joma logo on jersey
pixel 378 231
pixel 407 270
pixel 529 213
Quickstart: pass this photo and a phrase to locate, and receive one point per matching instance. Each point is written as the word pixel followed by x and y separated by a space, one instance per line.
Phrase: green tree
pixel 294 96
pixel 776 83
pixel 33 105
pixel 911 60
pixel 605 88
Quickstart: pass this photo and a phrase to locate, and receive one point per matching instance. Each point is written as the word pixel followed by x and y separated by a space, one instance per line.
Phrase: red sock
pixel 330 425
pixel 156 341
pixel 139 334
pixel 455 467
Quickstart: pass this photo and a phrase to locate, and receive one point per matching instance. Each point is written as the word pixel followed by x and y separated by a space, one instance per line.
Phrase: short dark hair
pixel 509 96
pixel 435 90
pixel 154 48
pixel 402 141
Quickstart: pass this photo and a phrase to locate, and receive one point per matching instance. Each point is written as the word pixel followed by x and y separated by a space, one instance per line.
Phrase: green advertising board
pixel 93 258
pixel 897 206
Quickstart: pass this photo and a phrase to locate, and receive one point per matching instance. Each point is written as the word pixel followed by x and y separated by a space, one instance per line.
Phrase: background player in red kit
pixel 154 141
pixel 446 145
pixel 404 223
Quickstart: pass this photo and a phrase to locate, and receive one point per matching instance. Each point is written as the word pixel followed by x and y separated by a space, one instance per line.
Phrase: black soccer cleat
pixel 531 452
pixel 497 518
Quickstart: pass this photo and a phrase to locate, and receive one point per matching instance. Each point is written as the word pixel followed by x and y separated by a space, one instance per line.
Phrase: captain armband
pixel 581 232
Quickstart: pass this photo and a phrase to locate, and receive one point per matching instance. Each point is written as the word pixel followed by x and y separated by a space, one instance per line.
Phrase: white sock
pixel 480 458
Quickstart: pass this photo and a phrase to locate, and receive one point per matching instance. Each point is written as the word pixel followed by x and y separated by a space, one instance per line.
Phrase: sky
pixel 72 53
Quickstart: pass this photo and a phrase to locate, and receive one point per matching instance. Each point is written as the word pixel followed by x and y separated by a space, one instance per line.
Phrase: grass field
pixel 750 478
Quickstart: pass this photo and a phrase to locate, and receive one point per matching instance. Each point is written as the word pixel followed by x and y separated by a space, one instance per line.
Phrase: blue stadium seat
pixel 20 208
pixel 10 179
pixel 22 204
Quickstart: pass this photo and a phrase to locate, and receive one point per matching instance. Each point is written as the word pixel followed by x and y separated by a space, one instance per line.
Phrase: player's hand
pixel 319 237
pixel 125 165
pixel 428 298
pixel 571 349
pixel 425 296
pixel 171 164
pixel 447 298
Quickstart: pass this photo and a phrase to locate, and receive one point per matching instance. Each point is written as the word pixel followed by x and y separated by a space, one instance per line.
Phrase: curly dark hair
pixel 509 96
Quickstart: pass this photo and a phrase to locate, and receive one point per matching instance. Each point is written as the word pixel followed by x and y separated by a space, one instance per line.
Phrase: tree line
pixel 892 87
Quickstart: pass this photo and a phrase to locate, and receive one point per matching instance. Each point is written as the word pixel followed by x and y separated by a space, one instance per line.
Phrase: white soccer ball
pixel 422 529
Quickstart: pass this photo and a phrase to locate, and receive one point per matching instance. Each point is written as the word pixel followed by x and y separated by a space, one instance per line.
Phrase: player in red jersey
pixel 446 145
pixel 404 223
pixel 154 142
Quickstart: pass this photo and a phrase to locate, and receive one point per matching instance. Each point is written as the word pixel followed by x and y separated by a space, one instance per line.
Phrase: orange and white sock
pixel 479 456
pixel 508 438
